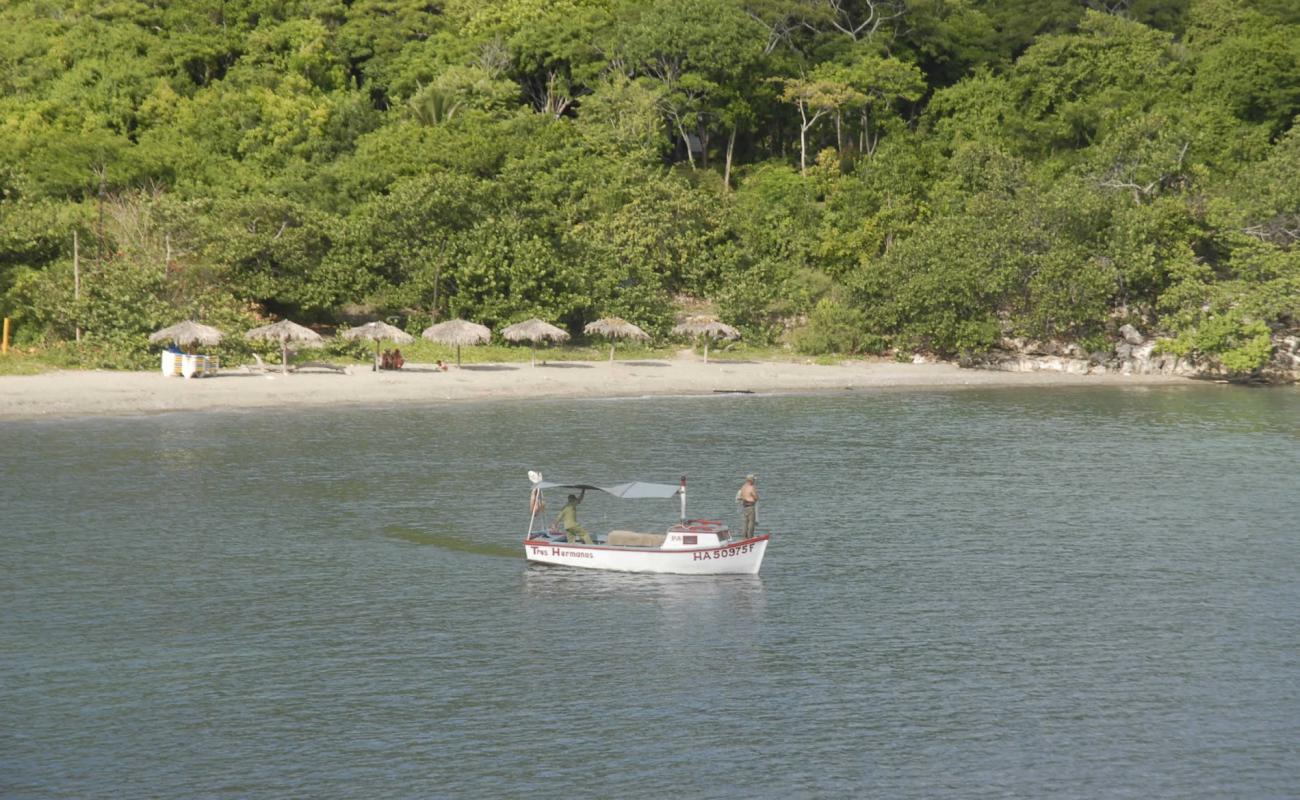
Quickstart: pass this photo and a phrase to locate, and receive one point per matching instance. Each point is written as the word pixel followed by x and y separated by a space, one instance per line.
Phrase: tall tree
pixel 696 52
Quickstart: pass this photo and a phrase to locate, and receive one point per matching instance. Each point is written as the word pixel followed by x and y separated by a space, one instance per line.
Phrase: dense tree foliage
pixel 855 175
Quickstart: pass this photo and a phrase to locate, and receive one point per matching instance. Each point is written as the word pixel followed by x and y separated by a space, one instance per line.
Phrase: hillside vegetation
pixel 850 176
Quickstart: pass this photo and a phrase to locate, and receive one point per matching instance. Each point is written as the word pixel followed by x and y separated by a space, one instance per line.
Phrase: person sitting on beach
pixel 386 360
pixel 568 519
pixel 397 361
pixel 441 366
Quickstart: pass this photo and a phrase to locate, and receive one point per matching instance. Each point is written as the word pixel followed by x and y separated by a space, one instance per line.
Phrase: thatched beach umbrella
pixel 615 328
pixel 533 330
pixel 378 332
pixel 457 332
pixel 284 332
pixel 708 327
pixel 187 333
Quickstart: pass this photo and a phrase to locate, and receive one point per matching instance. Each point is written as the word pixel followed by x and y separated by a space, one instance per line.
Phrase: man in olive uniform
pixel 748 499
pixel 568 519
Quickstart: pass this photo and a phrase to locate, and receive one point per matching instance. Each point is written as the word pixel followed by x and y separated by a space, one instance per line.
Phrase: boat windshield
pixel 634 490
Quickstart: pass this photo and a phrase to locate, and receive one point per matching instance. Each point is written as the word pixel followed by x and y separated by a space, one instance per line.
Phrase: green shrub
pixel 1241 346
pixel 836 328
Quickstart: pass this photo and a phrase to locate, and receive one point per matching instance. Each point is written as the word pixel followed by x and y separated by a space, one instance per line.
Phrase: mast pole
pixel 532 507
pixel 682 492
pixel 534 500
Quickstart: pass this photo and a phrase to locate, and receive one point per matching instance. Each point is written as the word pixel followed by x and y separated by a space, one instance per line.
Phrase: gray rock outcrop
pixel 1133 354
pixel 1130 334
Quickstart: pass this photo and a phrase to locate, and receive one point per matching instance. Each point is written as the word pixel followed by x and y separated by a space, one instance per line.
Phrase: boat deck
pixel 623 540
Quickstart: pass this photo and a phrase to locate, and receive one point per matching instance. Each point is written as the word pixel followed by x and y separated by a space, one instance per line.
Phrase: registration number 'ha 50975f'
pixel 726 552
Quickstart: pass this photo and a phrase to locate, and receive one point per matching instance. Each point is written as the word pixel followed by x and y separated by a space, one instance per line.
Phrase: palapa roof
pixel 285 331
pixel 378 332
pixel 534 330
pixel 187 333
pixel 616 328
pixel 457 332
pixel 706 326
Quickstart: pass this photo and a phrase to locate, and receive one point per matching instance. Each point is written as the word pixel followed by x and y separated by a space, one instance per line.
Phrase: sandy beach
pixel 92 393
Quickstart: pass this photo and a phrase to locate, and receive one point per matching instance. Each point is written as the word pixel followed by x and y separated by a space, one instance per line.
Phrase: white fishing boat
pixel 690 547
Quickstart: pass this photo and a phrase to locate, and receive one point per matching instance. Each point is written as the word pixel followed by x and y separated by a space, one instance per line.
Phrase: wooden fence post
pixel 76 276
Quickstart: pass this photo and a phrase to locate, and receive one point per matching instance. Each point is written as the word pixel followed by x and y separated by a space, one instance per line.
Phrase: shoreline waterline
pixel 93 393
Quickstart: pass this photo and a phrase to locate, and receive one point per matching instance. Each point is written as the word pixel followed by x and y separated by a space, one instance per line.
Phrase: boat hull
pixel 744 557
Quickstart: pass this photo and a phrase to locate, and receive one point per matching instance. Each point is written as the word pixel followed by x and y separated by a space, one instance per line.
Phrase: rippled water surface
pixel 1011 593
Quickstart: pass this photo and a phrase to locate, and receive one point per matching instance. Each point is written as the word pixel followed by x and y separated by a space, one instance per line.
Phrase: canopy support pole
pixel 534 503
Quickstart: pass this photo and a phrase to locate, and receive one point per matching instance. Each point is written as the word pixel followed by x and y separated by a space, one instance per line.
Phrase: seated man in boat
pixel 568 519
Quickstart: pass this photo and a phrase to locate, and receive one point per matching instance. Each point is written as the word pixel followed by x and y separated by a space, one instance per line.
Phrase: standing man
pixel 569 519
pixel 748 499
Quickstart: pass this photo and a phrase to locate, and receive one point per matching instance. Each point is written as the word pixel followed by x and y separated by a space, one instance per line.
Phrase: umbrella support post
pixel 611 354
pixel 706 351
pixel 284 358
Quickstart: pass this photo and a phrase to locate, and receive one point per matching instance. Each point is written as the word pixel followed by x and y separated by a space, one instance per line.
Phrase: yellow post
pixel 4 340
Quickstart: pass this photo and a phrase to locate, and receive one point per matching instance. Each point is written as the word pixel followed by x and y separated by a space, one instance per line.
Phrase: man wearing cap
pixel 748 499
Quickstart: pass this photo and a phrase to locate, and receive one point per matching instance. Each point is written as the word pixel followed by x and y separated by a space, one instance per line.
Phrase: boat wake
pixel 449 542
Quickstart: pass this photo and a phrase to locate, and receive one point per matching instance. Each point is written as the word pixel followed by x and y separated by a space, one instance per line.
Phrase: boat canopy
pixel 635 490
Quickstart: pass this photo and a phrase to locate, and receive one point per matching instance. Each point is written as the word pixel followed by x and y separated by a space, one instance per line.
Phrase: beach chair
pixel 208 367
pixel 171 364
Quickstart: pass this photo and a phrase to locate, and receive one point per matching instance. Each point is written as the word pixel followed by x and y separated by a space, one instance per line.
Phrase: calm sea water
pixel 1011 593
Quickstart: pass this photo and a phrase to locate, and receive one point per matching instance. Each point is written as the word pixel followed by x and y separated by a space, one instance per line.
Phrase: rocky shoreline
pixel 1133 354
